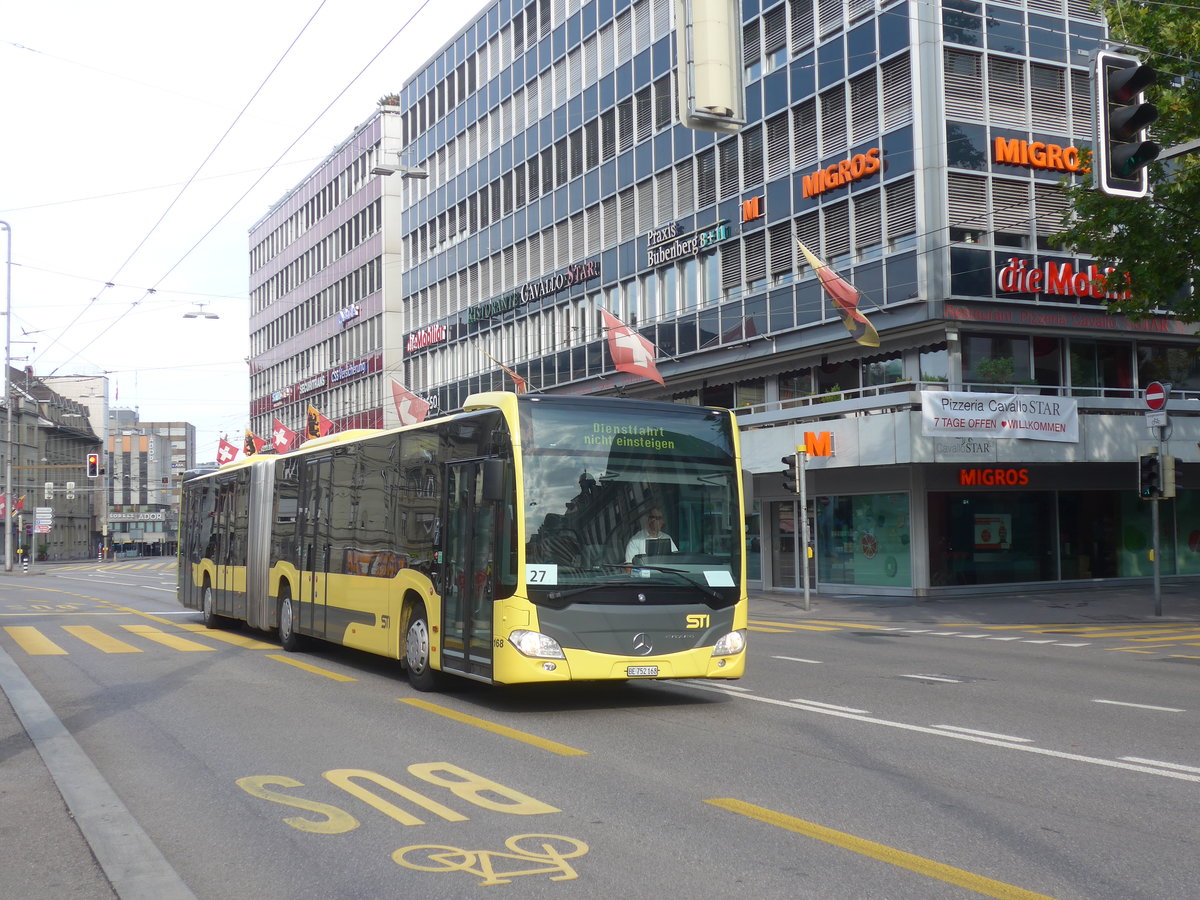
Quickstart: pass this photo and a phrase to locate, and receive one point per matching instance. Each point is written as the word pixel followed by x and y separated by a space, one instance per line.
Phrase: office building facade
pixel 918 149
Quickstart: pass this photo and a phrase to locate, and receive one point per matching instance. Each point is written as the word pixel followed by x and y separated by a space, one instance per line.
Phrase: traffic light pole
pixel 1154 528
pixel 802 459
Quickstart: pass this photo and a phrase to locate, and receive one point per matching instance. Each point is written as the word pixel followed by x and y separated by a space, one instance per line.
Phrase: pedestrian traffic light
pixel 93 465
pixel 70 490
pixel 1120 149
pixel 791 475
pixel 48 490
pixel 1149 476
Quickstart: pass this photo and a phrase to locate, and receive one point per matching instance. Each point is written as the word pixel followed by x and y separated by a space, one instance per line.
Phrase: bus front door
pixel 313 531
pixel 467 573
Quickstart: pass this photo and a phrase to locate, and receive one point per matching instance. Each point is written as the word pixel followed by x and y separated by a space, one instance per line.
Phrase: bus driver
pixel 651 531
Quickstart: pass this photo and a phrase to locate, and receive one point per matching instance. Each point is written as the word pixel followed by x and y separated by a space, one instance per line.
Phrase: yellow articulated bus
pixel 528 538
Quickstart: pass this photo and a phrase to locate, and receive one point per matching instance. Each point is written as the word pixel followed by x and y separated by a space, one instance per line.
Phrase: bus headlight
pixel 536 644
pixel 730 644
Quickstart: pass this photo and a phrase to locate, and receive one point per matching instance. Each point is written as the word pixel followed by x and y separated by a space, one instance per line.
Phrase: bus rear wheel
pixel 421 673
pixel 288 638
pixel 209 608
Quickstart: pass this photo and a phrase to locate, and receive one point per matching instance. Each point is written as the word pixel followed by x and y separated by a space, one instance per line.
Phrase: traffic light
pixel 70 490
pixel 1120 150
pixel 93 465
pixel 48 490
pixel 1150 476
pixel 791 475
pixel 1168 477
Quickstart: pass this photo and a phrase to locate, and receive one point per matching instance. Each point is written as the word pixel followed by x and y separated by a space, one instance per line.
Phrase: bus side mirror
pixel 495 480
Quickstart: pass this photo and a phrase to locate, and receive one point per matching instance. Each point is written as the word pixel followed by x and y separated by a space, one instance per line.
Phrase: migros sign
pixel 1037 155
pixel 840 174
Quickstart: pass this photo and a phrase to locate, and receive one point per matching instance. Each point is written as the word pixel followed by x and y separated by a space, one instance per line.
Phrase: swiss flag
pixel 630 351
pixel 409 407
pixel 282 437
pixel 225 452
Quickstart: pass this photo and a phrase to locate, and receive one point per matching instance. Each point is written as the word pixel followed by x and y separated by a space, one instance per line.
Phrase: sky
pixel 141 141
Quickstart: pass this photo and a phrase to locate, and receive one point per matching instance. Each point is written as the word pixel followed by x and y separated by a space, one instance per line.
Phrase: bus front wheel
pixel 421 673
pixel 288 639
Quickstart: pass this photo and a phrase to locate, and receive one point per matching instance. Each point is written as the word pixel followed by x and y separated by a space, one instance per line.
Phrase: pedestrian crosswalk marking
pixel 174 641
pixel 33 641
pixel 98 639
pixel 229 637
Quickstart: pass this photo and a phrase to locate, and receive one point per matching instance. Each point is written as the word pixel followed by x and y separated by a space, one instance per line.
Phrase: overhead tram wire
pixel 257 181
pixel 112 280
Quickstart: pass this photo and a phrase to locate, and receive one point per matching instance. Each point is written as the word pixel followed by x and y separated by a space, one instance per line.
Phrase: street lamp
pixel 406 171
pixel 200 313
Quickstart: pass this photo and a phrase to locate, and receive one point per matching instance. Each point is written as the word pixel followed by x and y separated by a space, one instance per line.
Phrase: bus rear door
pixel 313 541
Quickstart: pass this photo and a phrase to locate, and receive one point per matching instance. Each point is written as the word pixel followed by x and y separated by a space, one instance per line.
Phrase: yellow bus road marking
pixel 788 626
pixel 980 884
pixel 174 641
pixel 1169 637
pixel 229 637
pixel 503 730
pixel 768 630
pixel 862 625
pixel 335 676
pixel 1030 626
pixel 1133 649
pixel 101 641
pixel 33 641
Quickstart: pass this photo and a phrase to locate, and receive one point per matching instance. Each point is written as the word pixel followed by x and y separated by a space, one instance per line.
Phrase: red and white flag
pixel 845 298
pixel 282 437
pixel 409 407
pixel 629 350
pixel 225 452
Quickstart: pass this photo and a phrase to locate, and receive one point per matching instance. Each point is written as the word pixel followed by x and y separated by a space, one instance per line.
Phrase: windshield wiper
pixel 682 573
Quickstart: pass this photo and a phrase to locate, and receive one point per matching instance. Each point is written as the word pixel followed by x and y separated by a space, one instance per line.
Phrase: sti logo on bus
pixel 700 620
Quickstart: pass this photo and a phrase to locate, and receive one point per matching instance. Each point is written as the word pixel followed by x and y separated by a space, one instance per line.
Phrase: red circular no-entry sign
pixel 1156 395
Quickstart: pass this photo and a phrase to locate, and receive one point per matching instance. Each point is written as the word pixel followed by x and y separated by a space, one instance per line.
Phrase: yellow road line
pixel 101 641
pixel 1131 649
pixel 174 641
pixel 33 641
pixel 335 676
pixel 502 730
pixel 1169 637
pixel 980 884
pixel 229 637
pixel 768 630
pixel 788 626
pixel 847 624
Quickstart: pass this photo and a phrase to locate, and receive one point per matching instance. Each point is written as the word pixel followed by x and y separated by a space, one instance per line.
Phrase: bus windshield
pixel 646 497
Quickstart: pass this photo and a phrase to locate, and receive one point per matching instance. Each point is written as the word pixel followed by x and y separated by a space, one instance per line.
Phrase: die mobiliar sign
pixel 1060 278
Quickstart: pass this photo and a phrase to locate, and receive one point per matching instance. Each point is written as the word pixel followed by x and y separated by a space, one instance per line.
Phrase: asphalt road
pixel 856 760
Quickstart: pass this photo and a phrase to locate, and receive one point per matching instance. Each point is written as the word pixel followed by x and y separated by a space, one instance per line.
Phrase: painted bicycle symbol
pixel 550 850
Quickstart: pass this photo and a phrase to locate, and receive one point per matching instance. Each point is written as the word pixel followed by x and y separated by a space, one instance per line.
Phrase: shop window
pixel 881 370
pixel 1100 368
pixel 864 540
pixel 794 385
pixel 1178 366
pixel 833 378
pixel 996 360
